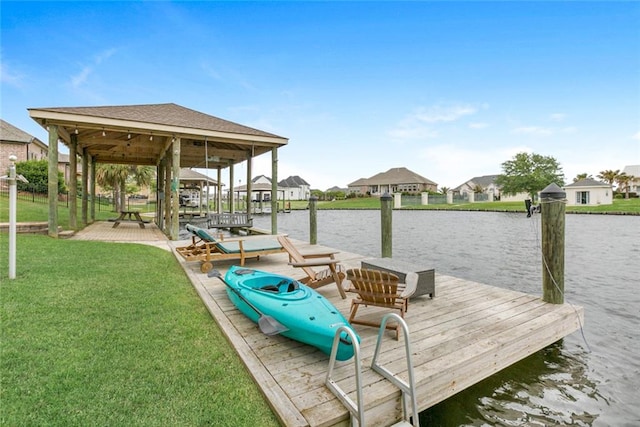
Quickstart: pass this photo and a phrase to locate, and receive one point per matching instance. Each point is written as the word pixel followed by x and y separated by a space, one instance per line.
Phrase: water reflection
pixel 550 387
pixel 568 383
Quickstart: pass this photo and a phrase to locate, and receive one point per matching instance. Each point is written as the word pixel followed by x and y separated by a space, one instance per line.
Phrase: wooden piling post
pixel 386 224
pixel 313 220
pixel 552 205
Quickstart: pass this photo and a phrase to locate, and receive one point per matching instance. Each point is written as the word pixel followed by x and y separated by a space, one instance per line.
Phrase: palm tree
pixel 623 181
pixel 444 190
pixel 116 177
pixel 581 176
pixel 609 175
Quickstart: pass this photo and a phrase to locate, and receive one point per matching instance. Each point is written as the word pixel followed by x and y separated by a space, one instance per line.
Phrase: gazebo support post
pixel 84 179
pixel 53 181
pixel 167 195
pixel 249 184
pixel 231 190
pixel 274 190
pixel 219 195
pixel 175 187
pixel 73 182
pixel 92 186
pixel 160 178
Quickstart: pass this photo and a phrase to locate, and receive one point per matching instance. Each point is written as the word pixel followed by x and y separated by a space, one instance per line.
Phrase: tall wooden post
pixel 552 205
pixel 175 188
pixel 219 193
pixel 73 182
pixel 250 184
pixel 92 188
pixel 53 181
pixel 161 176
pixel 85 182
pixel 232 189
pixel 274 190
pixel 313 220
pixel 386 224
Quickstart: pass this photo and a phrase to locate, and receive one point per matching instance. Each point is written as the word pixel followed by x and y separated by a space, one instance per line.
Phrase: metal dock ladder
pixel 408 389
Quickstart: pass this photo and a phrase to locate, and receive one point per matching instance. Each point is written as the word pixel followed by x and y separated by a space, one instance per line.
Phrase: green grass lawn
pixel 105 334
pixel 629 206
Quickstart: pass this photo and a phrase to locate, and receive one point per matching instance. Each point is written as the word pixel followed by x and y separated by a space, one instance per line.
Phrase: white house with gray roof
pixel 395 180
pixel 634 184
pixel 589 192
pixel 489 187
pixel 295 188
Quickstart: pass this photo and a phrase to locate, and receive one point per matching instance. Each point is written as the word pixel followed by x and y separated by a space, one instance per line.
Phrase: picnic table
pixel 133 216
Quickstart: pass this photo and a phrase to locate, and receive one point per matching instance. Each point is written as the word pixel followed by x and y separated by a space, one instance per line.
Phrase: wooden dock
pixel 465 334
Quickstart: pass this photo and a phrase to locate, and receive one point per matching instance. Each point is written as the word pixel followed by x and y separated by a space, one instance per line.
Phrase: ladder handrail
pixel 406 388
pixel 356 409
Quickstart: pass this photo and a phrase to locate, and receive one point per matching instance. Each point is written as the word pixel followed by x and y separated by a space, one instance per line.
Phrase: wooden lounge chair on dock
pixel 206 248
pixel 331 274
pixel 380 289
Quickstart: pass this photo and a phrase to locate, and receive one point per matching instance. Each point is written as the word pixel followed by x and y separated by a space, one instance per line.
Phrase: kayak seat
pixel 270 288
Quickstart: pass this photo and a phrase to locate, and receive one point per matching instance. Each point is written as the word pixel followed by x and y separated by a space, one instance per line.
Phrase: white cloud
pixel 9 76
pixel 478 125
pixel 636 136
pixel 80 79
pixel 558 117
pixel 451 165
pixel 533 130
pixel 419 124
pixel 441 113
pixel 412 131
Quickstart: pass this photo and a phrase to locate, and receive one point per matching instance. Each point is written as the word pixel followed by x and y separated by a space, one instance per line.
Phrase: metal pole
pixel 13 199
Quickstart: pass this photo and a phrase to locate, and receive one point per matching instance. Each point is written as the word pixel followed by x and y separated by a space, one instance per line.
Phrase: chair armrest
pixel 411 283
pixel 319 255
pixel 315 262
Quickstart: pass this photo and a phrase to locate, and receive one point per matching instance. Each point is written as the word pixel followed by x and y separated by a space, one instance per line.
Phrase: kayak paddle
pixel 267 324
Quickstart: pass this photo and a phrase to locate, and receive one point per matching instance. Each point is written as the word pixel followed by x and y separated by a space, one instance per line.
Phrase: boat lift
pixel 408 389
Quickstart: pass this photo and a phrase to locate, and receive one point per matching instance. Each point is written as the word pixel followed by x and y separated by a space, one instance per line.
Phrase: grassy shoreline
pixel 99 333
pixel 619 206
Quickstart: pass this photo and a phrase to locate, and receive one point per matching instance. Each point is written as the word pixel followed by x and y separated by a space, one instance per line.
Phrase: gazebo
pixel 167 136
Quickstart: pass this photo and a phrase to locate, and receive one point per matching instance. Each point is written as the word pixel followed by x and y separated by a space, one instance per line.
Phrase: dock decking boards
pixel 464 335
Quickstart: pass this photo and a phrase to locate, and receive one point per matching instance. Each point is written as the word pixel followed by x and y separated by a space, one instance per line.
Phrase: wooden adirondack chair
pixel 332 273
pixel 380 289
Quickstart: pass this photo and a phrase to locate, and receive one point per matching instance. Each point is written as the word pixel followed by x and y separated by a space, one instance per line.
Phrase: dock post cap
pixel 552 191
pixel 386 196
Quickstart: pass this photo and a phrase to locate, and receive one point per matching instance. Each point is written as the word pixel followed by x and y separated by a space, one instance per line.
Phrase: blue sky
pixel 447 89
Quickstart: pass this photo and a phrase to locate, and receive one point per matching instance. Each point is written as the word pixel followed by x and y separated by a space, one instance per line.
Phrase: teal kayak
pixel 302 313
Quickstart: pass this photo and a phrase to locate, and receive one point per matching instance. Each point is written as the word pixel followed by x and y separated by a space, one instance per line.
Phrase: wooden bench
pixel 426 276
pixel 230 220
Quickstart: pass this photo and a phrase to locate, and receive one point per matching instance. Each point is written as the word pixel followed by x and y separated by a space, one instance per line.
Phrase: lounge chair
pixel 207 248
pixel 331 274
pixel 380 289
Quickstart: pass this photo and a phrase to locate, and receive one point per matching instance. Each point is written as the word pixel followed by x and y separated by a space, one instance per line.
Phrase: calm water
pixel 592 382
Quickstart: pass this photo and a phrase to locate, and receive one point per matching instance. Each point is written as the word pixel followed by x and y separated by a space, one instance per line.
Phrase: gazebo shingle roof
pixel 163 114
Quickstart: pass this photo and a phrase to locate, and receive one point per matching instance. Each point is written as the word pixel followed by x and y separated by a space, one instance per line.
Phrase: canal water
pixel 592 377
